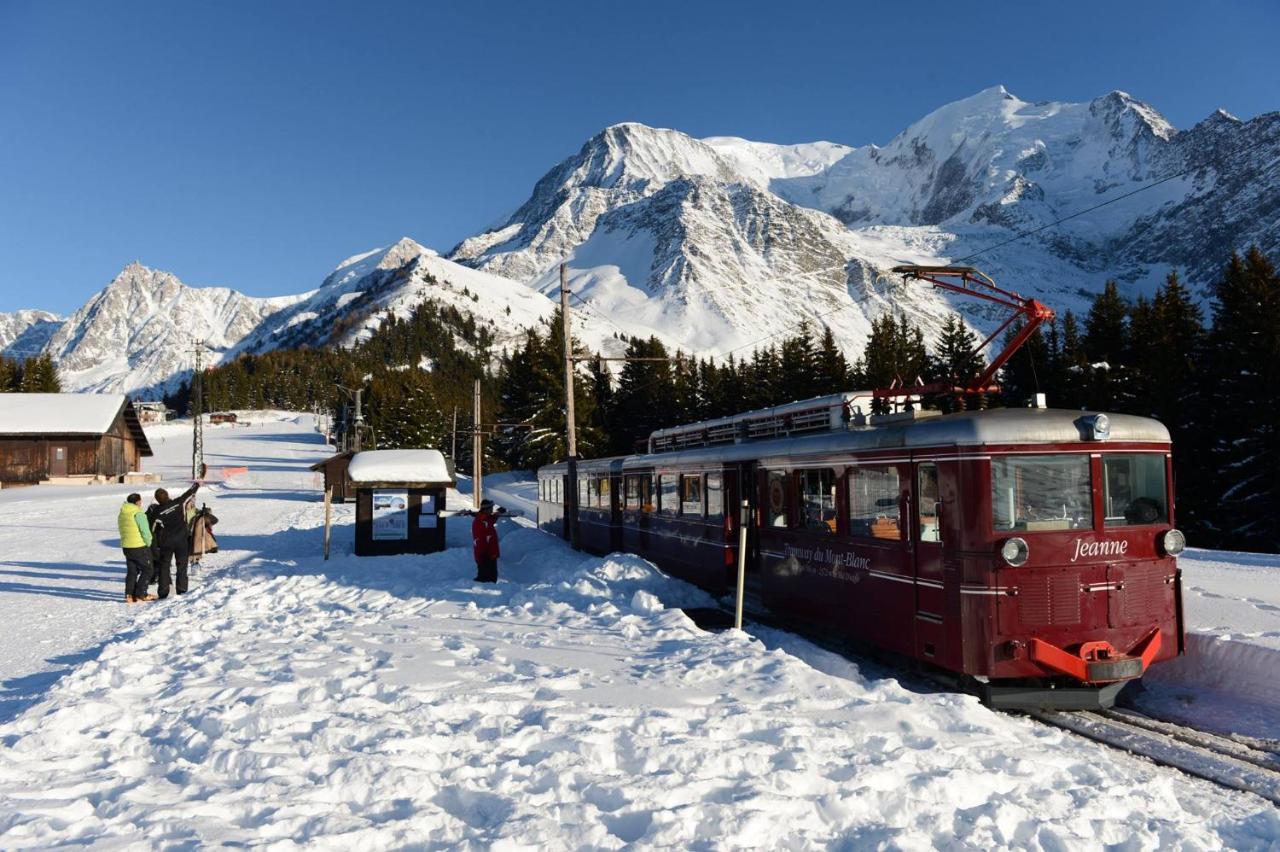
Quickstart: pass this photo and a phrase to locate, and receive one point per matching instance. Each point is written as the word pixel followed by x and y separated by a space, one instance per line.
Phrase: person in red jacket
pixel 484 534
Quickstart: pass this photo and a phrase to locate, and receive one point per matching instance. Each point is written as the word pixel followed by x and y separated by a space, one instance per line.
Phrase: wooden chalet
pixel 68 437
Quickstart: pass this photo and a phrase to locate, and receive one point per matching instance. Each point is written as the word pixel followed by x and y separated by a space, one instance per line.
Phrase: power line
pixel 1101 204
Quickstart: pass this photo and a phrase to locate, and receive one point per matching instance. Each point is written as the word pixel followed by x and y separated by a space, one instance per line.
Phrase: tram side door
pixel 926 539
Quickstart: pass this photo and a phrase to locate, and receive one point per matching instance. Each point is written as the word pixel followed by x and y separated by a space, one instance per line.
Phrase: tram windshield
pixel 1034 493
pixel 1134 489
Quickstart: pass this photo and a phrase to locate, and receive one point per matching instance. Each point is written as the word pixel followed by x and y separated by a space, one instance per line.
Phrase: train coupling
pixel 1098 662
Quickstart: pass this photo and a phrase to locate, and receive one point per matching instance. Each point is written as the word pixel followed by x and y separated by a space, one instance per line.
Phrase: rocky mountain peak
pixel 1126 116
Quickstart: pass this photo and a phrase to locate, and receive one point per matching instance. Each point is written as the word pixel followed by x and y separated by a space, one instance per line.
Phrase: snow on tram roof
pixel 399 466
pixel 1027 426
pixel 993 427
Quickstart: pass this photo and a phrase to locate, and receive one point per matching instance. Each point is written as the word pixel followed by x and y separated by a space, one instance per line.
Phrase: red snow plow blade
pixel 1098 662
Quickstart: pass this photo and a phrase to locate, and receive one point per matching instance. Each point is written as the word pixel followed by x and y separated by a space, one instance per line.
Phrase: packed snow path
pixel 380 702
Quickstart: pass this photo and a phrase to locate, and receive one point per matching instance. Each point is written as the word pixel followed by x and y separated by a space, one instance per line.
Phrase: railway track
pixel 1236 762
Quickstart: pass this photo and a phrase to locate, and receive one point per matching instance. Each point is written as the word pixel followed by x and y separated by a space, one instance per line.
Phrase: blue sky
pixel 256 144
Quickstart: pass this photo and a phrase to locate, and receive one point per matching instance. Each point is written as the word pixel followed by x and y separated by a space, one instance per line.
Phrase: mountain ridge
pixel 714 244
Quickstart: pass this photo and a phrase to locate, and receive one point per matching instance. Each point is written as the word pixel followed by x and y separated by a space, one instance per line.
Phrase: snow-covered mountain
pixel 137 334
pixel 718 242
pixel 25 333
pixel 354 299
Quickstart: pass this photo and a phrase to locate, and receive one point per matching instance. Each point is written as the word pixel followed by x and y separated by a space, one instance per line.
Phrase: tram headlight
pixel 1173 542
pixel 1015 551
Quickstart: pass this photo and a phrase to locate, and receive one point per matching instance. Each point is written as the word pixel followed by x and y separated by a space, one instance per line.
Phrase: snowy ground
pixel 384 702
pixel 1229 679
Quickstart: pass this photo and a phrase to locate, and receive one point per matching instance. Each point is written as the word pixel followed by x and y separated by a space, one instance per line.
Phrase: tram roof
pixel 1001 426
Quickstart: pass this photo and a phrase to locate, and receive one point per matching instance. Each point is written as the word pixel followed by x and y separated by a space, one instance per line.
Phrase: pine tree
pixel 1024 374
pixel 832 369
pixel 798 376
pixel 39 375
pixel 1244 422
pixel 954 360
pixel 895 353
pixel 1105 328
pixel 644 398
pixel 9 374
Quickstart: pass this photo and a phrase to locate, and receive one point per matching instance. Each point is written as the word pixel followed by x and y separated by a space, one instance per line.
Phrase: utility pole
pixel 571 424
pixel 197 411
pixel 453 444
pixel 477 451
pixel 359 418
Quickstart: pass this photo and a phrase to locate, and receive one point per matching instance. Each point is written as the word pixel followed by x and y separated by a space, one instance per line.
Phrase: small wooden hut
pixel 336 482
pixel 68 438
pixel 400 501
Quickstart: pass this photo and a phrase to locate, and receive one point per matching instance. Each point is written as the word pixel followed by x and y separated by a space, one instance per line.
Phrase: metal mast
pixel 197 411
pixel 571 426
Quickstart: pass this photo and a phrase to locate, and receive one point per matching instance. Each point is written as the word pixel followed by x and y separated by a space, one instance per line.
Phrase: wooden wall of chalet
pixel 25 459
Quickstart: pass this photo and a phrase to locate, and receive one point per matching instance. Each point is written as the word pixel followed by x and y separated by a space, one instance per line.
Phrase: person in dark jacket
pixel 484 534
pixel 135 541
pixel 169 527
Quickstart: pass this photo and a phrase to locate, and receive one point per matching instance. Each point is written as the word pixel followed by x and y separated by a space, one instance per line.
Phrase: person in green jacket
pixel 135 541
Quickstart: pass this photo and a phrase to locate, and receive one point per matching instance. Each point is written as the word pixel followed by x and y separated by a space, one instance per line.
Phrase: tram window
pixel 927 501
pixel 646 493
pixel 874 502
pixel 1135 489
pixel 669 496
pixel 631 492
pixel 715 496
pixel 583 494
pixel 818 499
pixel 776 499
pixel 1037 493
pixel 556 491
pixel 542 489
pixel 691 495
pixel 606 491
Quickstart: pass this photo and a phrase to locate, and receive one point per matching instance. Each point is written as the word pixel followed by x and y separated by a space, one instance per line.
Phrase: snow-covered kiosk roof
pixel 400 467
pixel 69 414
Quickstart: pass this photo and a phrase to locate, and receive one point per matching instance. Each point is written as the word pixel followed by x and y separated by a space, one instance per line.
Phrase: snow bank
pixel 389 702
pixel 1227 679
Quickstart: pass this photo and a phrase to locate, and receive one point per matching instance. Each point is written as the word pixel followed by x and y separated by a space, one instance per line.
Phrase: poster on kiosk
pixel 390 515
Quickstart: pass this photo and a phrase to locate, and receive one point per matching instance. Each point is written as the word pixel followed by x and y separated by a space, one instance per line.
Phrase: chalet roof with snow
pixel 38 414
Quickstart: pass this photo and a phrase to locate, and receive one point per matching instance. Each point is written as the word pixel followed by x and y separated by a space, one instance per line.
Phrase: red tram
pixel 1028 551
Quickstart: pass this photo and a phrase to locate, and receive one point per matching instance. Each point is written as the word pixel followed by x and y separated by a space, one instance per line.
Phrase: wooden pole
pixel 744 518
pixel 328 517
pixel 453 444
pixel 571 427
pixel 477 450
